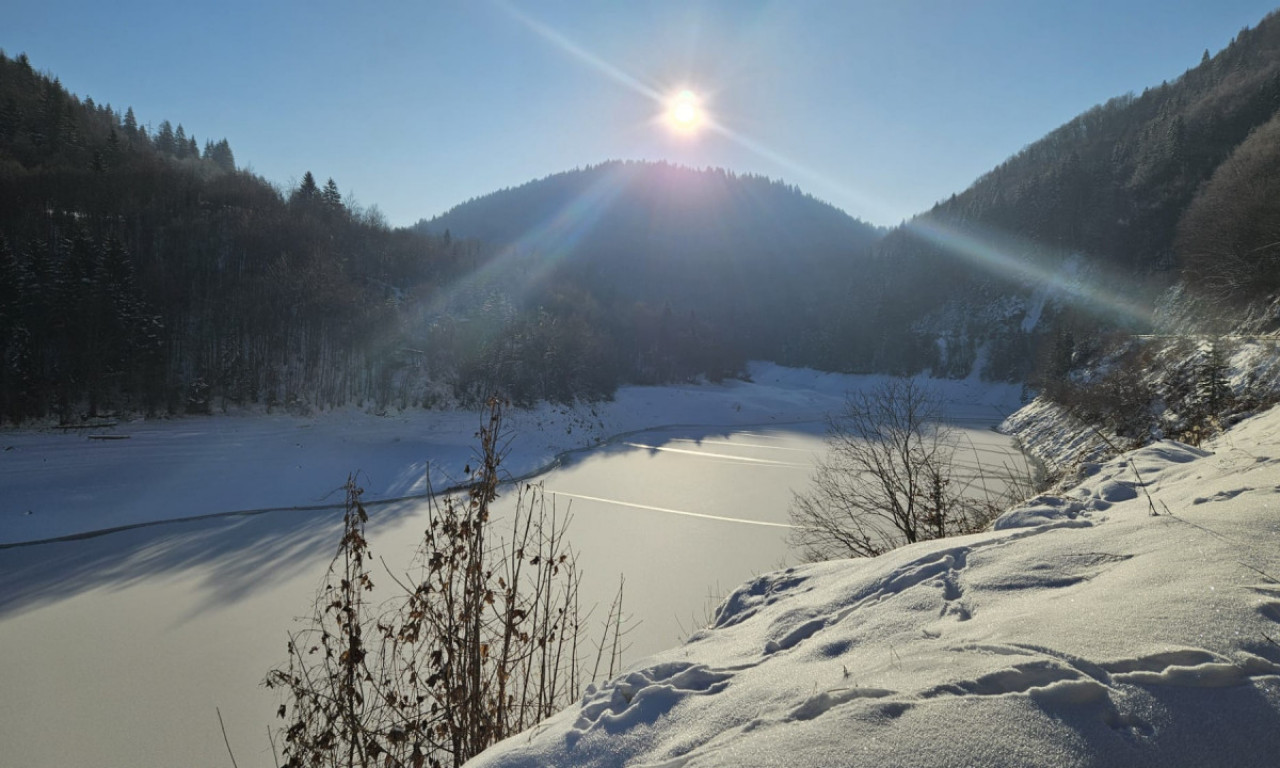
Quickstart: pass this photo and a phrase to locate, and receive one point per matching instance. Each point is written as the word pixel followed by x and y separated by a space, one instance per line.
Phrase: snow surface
pixel 1082 631
pixel 121 647
pixel 1060 441
pixel 60 483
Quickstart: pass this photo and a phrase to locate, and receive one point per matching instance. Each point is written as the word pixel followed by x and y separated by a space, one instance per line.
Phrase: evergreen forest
pixel 143 271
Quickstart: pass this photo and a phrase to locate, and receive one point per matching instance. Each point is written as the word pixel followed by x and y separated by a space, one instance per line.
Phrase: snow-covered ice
pixel 61 483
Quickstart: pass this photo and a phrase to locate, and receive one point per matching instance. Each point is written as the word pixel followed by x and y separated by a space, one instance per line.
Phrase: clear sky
pixel 881 107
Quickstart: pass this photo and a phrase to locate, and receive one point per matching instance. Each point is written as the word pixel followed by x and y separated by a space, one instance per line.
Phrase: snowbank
pixel 1083 631
pixel 1055 438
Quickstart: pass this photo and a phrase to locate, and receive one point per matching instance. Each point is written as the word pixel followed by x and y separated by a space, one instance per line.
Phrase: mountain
pixel 754 263
pixel 632 209
pixel 1164 197
pixel 1154 208
pixel 140 273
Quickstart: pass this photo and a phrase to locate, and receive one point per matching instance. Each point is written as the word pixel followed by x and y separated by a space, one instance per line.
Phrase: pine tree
pixel 165 138
pixel 221 155
pixel 15 347
pixel 331 197
pixel 48 131
pixel 10 118
pixel 307 192
pixel 130 125
pixel 1213 391
pixel 114 149
pixel 11 289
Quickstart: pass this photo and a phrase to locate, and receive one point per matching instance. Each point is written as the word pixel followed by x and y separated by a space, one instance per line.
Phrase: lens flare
pixel 695 119
pixel 1091 287
pixel 684 112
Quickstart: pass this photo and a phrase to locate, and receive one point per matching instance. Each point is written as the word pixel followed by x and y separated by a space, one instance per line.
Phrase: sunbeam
pixel 867 205
pixel 1008 256
pixel 581 54
pixel 668 103
pixel 536 252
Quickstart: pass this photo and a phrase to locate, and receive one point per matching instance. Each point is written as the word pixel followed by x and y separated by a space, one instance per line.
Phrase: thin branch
pixel 227 741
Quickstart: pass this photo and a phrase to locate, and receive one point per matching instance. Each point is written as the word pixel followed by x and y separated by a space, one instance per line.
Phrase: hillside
pixel 682 212
pixel 1085 231
pixel 141 274
pixel 1084 630
pixel 760 267
pixel 1149 209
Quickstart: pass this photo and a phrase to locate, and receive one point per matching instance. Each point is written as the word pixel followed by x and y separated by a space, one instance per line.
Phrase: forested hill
pixel 140 273
pixel 1176 186
pixel 144 273
pixel 633 209
pixel 705 267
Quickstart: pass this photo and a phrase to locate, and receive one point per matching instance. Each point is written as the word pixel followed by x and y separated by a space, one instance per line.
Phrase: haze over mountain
pixel 1170 188
pixel 754 263
pixel 227 290
pixel 681 211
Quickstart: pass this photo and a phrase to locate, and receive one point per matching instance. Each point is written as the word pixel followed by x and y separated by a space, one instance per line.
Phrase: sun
pixel 684 112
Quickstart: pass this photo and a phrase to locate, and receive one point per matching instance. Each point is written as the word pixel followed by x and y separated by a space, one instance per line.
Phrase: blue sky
pixel 881 107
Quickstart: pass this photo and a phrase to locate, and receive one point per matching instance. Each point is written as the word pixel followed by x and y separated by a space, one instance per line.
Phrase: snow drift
pixel 1083 631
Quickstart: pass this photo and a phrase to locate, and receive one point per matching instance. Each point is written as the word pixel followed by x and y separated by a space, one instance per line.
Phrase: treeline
pixel 139 273
pixel 44 127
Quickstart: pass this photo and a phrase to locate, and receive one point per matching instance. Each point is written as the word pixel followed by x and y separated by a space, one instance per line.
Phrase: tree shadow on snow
pixel 233 555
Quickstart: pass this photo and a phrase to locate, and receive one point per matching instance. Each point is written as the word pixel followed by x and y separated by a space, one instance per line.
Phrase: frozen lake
pixel 131 640
pixel 687 514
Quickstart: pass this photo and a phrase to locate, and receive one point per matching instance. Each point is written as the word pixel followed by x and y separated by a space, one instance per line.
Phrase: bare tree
pixel 887 478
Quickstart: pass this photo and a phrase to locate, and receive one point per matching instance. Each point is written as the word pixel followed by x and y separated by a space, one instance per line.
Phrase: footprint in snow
pixel 644 696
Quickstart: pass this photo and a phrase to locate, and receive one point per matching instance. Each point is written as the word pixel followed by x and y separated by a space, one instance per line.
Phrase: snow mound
pixel 1082 631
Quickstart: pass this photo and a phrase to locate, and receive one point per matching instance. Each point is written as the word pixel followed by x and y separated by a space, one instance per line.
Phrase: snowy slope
pixel 1084 631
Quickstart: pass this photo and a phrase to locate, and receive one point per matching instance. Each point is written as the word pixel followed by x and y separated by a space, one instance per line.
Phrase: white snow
pixel 1083 631
pixel 1056 438
pixel 119 646
pixel 62 483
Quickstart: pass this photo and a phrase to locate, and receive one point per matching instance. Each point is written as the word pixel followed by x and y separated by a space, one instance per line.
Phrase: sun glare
pixel 684 112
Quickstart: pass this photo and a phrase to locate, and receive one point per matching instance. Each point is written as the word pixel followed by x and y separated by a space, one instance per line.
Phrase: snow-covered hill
pixel 1084 631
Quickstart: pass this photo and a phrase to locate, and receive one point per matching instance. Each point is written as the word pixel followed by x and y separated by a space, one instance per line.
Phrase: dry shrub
pixel 484 640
